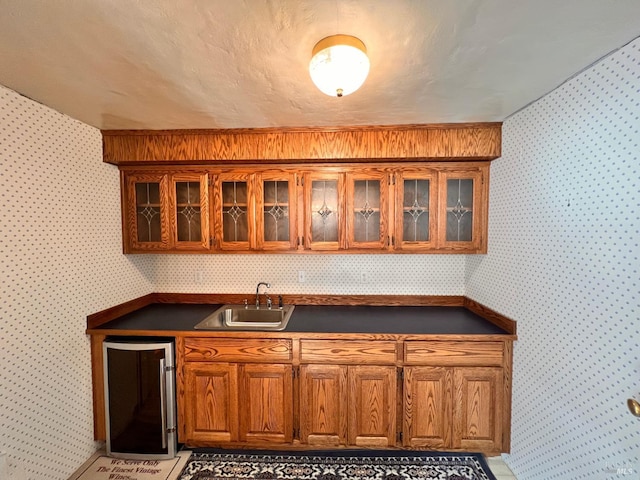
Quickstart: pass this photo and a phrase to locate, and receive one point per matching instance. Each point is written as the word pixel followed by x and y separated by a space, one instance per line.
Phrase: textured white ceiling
pixel 160 64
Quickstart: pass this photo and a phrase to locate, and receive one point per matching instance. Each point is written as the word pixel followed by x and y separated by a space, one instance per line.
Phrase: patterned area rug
pixel 335 465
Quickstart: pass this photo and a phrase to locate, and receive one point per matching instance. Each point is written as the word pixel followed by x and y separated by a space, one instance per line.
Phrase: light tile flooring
pixel 500 469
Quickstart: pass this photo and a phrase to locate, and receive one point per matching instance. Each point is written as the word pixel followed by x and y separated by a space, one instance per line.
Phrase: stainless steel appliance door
pixel 140 403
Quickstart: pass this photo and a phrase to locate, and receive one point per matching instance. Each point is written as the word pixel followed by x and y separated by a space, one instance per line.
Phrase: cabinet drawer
pixel 444 353
pixel 348 352
pixel 265 350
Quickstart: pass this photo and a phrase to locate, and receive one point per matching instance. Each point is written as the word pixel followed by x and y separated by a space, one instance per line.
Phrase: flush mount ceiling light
pixel 339 65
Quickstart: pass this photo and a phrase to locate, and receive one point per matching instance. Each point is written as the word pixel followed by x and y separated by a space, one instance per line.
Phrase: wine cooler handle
pixel 163 401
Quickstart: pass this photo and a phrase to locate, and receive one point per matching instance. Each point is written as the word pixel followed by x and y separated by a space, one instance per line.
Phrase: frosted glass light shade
pixel 339 65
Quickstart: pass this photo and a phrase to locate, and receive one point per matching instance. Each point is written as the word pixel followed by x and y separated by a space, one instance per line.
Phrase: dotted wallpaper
pixel 61 250
pixel 564 262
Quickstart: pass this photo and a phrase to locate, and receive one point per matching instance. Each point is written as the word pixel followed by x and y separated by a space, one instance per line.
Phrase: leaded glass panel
pixel 148 220
pixel 276 210
pixel 366 210
pixel 459 210
pixel 324 211
pixel 415 210
pixel 234 211
pixel 188 211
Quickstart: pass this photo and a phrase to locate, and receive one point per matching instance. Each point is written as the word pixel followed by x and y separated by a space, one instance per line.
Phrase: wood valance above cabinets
pixel 357 144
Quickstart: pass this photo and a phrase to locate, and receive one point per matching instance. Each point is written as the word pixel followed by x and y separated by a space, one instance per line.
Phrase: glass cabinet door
pixel 323 204
pixel 415 210
pixel 276 217
pixel 367 209
pixel 190 211
pixel 146 212
pixel 233 211
pixel 461 214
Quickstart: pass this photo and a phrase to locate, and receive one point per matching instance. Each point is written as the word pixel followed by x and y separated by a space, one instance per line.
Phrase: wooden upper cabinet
pixel 462 210
pixel 190 211
pixel 324 211
pixel 165 211
pixel 346 210
pixel 255 211
pixel 433 208
pixel 233 211
pixel 145 198
pixel 276 210
pixel 338 198
pixel 442 209
pixel 367 209
pixel 416 206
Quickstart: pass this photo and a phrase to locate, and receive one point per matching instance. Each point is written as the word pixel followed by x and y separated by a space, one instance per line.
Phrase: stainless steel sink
pixel 241 317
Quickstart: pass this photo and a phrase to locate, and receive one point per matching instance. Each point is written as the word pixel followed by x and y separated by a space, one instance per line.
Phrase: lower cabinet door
pixel 323 404
pixel 372 406
pixel 348 405
pixel 428 399
pixel 266 403
pixel 478 408
pixel 211 402
pixel 453 407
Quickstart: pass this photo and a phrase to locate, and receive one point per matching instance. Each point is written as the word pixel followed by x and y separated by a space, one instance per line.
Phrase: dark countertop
pixel 163 317
pixel 322 319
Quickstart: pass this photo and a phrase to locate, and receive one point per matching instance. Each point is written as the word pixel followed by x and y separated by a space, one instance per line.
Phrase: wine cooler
pixel 140 399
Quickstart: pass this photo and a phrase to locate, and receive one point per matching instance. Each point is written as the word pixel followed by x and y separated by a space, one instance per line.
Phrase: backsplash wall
pixel 61 251
pixel 564 233
pixel 360 274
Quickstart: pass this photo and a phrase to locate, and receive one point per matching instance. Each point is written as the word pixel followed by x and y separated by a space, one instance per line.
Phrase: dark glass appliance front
pixel 137 401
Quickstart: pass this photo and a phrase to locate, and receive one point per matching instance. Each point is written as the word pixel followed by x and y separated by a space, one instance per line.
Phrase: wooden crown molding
pixel 356 144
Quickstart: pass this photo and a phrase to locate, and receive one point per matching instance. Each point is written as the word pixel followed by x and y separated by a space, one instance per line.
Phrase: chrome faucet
pixel 268 285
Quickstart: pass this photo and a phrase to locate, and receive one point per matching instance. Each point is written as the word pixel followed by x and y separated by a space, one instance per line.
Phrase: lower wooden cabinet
pixel 477 410
pixel 372 406
pixel 453 407
pixel 428 407
pixel 211 402
pixel 348 405
pixel 266 403
pixel 324 408
pixel 440 394
pixel 228 402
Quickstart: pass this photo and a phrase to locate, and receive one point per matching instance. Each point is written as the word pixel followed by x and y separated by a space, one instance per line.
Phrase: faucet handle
pixel 269 302
pixel 246 303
